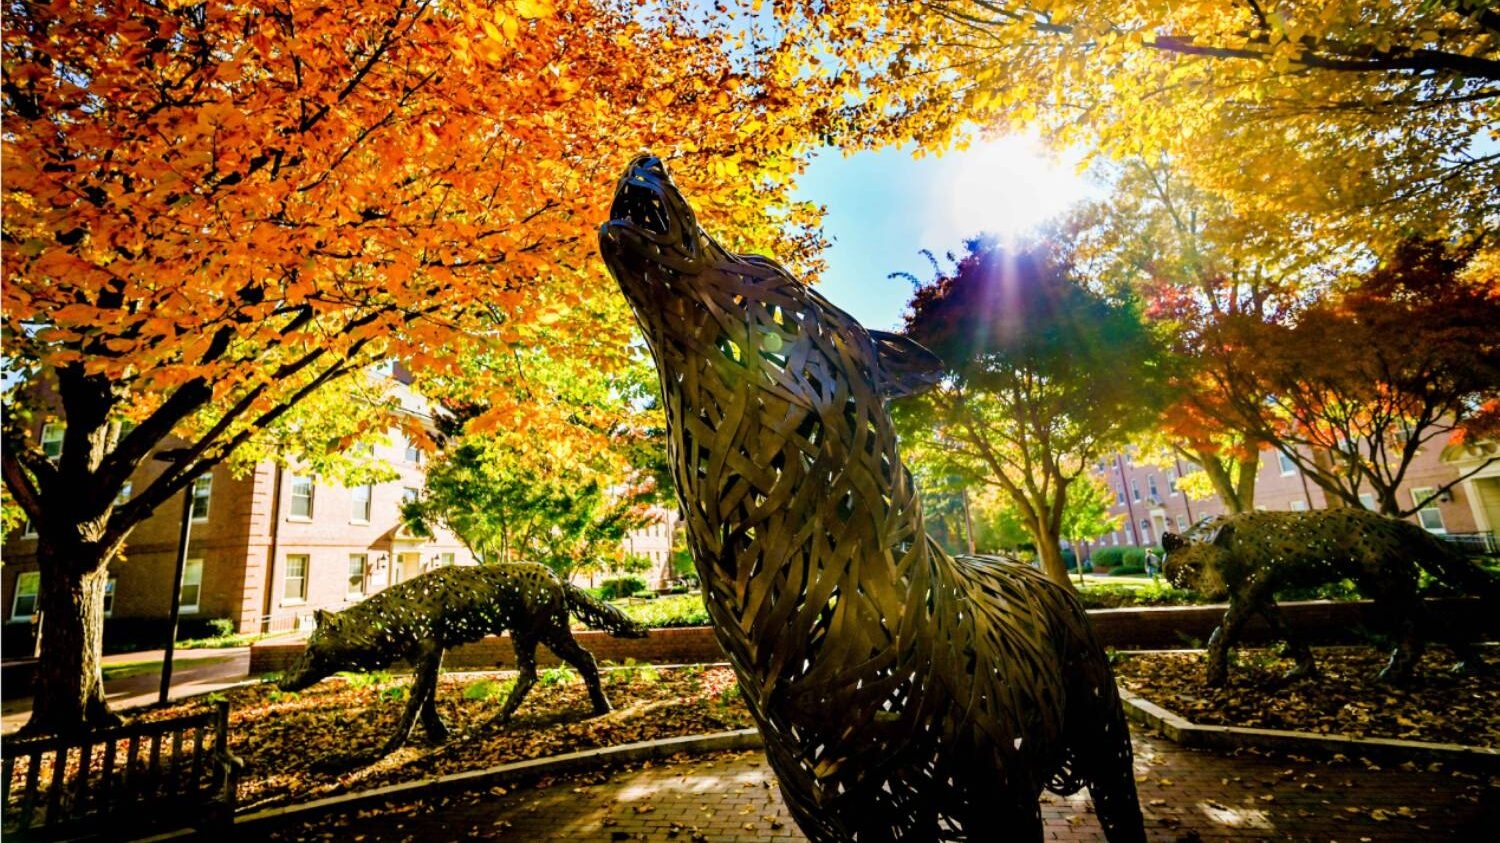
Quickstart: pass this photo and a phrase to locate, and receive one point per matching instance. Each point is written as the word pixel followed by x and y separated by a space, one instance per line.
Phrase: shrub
pixel 1107 557
pixel 1121 596
pixel 219 628
pixel 617 587
pixel 675 610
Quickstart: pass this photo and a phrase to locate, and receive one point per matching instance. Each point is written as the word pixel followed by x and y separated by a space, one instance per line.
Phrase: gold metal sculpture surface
pixel 902 694
pixel 1248 557
pixel 419 619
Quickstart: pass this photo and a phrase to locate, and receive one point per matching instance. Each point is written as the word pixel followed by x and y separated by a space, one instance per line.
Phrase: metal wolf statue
pixel 419 619
pixel 902 694
pixel 1249 557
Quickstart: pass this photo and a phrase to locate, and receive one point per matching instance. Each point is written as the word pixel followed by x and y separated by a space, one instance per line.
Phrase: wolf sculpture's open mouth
pixel 640 205
pixel 639 199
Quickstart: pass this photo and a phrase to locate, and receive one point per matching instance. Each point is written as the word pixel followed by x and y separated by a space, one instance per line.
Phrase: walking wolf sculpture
pixel 1250 556
pixel 419 619
pixel 902 694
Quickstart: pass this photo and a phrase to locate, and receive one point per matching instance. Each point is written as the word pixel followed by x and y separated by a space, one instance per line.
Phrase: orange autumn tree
pixel 213 211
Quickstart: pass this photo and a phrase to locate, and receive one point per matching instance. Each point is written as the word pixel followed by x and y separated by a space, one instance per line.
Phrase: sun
pixel 1005 186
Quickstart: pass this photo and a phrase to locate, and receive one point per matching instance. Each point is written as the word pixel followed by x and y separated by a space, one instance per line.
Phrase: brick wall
pixel 1158 627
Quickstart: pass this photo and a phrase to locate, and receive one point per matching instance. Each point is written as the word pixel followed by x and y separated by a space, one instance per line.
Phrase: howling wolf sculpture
pixel 902 694
pixel 1249 557
pixel 418 620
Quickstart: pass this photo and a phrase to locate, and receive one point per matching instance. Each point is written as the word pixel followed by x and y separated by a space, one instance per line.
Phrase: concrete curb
pixel 1477 759
pixel 742 739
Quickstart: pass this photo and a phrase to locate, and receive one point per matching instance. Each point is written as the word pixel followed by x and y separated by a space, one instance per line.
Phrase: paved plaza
pixel 1188 795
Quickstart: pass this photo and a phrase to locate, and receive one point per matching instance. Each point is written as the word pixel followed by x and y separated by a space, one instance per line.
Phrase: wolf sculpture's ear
pixel 1221 535
pixel 906 368
pixel 1171 542
pixel 322 618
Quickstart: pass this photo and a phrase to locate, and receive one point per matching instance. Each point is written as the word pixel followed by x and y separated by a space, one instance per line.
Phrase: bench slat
pixel 55 813
pixel 85 770
pixel 28 796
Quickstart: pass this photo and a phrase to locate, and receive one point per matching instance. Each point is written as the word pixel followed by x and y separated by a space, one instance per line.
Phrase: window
pixel 409 494
pixel 1288 466
pixel 1429 516
pixel 52 440
pixel 124 495
pixel 1367 500
pixel 413 454
pixel 202 486
pixel 1182 522
pixel 302 497
pixel 362 495
pixel 1299 505
pixel 1172 482
pixel 109 597
pixel 1135 490
pixel 28 530
pixel 1145 531
pixel 1119 496
pixel 358 563
pixel 295 590
pixel 23 605
pixel 445 560
pixel 1151 486
pixel 192 585
pixel 1114 539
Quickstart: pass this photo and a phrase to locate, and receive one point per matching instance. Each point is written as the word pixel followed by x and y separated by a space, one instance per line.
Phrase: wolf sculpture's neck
pixel 805 525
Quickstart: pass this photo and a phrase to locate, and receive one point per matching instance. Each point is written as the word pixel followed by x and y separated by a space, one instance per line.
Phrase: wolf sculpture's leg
pixel 569 650
pixel 526 663
pixel 1222 639
pixel 1295 647
pixel 432 722
pixel 1400 607
pixel 1111 778
pixel 423 696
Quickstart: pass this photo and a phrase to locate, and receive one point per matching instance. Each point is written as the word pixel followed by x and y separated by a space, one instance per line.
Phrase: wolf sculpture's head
pixel 743 316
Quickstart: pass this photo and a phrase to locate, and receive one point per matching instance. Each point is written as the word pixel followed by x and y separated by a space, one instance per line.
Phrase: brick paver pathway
pixel 1188 796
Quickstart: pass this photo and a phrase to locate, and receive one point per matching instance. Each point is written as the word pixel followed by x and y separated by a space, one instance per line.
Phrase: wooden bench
pixel 123 780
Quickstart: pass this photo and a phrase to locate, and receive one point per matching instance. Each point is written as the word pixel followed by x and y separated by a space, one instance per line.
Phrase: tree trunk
pixel 69 693
pixel 1053 564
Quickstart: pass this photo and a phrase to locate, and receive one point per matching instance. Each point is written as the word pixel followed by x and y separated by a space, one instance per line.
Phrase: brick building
pixel 1147 496
pixel 265 548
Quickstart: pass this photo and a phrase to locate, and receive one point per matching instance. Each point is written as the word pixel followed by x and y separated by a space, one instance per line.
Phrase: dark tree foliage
pixel 1361 382
pixel 1044 376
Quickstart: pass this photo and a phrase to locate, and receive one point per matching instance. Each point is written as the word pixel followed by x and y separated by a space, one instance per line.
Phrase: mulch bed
pixel 1344 698
pixel 323 741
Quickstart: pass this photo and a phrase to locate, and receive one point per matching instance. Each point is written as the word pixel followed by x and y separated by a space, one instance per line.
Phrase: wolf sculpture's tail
pixel 596 614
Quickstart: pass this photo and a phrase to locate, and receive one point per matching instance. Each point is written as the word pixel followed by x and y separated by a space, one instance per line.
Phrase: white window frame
pixel 1172 482
pixel 355 501
pixel 1182 522
pixel 124 495
pixel 351 591
pixel 1286 464
pixel 35 579
pixel 1367 500
pixel 1143 532
pixel 52 435
pixel 1135 489
pixel 1151 487
pixel 302 577
pixel 1297 505
pixel 203 490
pixel 293 497
pixel 412 454
pixel 109 596
pixel 192 576
pixel 1431 512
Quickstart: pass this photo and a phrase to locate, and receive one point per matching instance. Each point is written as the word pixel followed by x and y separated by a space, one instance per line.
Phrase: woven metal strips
pixel 1250 556
pixel 903 695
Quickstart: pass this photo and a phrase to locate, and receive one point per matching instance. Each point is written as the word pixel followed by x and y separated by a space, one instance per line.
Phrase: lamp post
pixel 173 455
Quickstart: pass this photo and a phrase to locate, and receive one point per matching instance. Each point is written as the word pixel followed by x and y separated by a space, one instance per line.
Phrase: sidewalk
pixel 1187 795
pixel 193 672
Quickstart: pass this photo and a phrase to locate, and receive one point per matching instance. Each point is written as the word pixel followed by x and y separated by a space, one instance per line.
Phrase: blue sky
pixel 885 207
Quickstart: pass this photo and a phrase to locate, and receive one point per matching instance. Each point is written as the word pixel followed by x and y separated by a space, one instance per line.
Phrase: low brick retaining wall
pixel 1149 628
